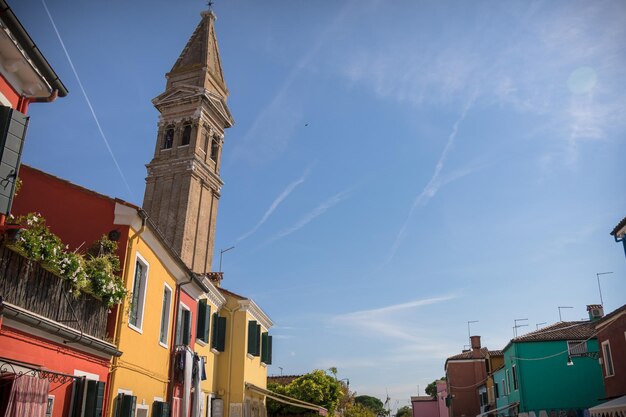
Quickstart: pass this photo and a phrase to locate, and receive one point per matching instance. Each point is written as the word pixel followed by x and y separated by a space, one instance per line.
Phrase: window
pixel 254 338
pixel 124 405
pixel 50 405
pixel 186 135
pixel 205 143
pixel 495 390
pixel 514 378
pixel 88 395
pixel 576 347
pixel 508 382
pixel 503 385
pixel 218 338
pixel 266 348
pixel 165 315
pixel 168 138
pixel 138 296
pixel 204 321
pixel 608 359
pixel 215 149
pixel 183 325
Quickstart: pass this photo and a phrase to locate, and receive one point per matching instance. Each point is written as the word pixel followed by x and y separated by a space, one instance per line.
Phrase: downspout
pixel 230 356
pixel 120 314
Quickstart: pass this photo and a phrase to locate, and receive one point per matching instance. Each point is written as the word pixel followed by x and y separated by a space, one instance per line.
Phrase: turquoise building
pixel 551 371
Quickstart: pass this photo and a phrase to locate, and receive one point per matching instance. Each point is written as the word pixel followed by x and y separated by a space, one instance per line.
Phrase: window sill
pixel 250 356
pixel 215 351
pixel 183 146
pixel 166 149
pixel 201 342
pixel 263 364
pixel 163 345
pixel 137 329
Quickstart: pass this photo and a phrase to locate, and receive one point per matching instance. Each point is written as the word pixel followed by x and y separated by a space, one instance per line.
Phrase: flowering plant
pixel 96 273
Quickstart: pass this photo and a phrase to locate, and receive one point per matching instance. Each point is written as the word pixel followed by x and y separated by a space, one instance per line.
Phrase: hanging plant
pixel 96 273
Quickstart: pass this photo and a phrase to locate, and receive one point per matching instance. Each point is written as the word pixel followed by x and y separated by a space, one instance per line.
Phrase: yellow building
pixel 152 274
pixel 242 365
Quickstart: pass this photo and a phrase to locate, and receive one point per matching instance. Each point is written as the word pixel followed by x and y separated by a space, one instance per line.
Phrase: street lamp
pixel 600 289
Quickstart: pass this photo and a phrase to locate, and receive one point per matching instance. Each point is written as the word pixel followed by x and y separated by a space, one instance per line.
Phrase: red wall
pixel 615 333
pixel 190 302
pixel 19 346
pixel 466 377
pixel 77 215
pixel 425 408
pixel 11 95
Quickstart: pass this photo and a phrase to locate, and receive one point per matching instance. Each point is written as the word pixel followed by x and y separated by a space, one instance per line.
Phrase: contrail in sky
pixel 316 212
pixel 93 113
pixel 433 185
pixel 292 186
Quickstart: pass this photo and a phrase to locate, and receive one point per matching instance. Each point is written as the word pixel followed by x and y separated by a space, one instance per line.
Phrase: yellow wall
pixel 235 368
pixel 143 368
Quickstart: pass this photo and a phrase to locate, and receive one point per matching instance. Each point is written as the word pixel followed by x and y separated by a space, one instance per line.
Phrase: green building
pixel 551 371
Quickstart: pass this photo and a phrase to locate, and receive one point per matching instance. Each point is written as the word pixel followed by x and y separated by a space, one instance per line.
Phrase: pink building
pixel 425 406
pixel 442 394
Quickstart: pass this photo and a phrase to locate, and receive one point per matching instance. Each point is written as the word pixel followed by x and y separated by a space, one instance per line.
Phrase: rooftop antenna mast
pixel 210 5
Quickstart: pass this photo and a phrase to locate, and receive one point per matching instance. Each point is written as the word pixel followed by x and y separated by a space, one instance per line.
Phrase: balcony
pixel 31 288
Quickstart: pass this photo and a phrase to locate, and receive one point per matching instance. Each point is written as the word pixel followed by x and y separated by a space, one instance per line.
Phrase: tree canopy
pixel 316 387
pixel 372 403
pixel 405 411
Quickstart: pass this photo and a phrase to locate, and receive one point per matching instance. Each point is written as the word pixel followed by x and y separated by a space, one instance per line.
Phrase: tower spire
pixel 183 183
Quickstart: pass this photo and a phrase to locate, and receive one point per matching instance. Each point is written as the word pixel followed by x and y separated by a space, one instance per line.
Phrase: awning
pixel 287 400
pixel 495 410
pixel 613 408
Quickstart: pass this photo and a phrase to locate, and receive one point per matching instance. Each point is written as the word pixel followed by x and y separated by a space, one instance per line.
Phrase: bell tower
pixel 183 183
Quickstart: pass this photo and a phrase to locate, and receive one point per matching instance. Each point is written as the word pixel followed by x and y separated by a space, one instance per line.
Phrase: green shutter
pixel 214 333
pixel 13 126
pixel 99 398
pixel 257 341
pixel 200 322
pixel 269 351
pixel 221 334
pixel 78 389
pixel 251 336
pixel 186 326
pixel 129 402
pixel 264 347
pixel 207 322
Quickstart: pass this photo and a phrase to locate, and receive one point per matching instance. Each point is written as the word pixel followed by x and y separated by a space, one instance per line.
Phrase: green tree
pixel 356 409
pixel 405 411
pixel 316 387
pixel 431 389
pixel 373 403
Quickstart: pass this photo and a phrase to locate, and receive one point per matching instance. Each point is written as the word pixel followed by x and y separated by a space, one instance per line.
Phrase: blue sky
pixel 395 169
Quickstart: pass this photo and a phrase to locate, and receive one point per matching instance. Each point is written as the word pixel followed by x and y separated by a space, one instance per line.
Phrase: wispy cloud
pixel 385 321
pixel 435 183
pixel 310 216
pixel 277 201
pixel 275 124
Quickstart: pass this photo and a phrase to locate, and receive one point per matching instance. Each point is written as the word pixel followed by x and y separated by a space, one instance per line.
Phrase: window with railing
pixel 576 347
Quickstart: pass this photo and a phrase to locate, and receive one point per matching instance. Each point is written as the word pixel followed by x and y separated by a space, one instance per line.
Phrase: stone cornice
pixel 255 311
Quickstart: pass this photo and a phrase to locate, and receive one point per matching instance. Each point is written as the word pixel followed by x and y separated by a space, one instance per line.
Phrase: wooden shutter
pixel 78 390
pixel 13 126
pixel 214 333
pixel 200 322
pixel 264 352
pixel 269 351
pixel 257 341
pixel 251 337
pixel 221 334
pixel 186 323
pixel 207 324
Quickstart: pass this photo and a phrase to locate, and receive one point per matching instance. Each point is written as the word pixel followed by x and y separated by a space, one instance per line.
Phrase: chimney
pixel 596 311
pixel 475 341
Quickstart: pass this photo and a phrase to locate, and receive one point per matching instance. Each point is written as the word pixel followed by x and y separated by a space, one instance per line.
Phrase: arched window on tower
pixel 168 139
pixel 186 135
pixel 205 143
pixel 215 149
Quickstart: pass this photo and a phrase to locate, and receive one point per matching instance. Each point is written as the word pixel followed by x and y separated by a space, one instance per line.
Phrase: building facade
pixel 611 333
pixel 565 354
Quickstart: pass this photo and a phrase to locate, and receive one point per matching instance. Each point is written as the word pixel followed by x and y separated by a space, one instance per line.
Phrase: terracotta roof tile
pixel 564 330
pixel 468 355
pixel 619 226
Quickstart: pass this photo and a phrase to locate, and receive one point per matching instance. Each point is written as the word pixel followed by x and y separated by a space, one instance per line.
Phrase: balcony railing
pixel 28 285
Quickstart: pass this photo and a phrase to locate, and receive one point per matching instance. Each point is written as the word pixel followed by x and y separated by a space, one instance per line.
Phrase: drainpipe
pixel 621 239
pixel 120 314
pixel 230 357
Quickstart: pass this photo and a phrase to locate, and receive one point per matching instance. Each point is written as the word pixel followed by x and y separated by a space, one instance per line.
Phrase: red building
pixel 54 360
pixel 465 372
pixel 612 341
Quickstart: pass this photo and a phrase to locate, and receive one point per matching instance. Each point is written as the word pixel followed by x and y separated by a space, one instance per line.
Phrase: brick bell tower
pixel 183 183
